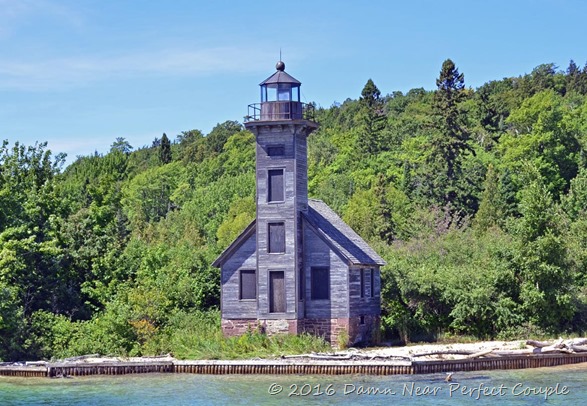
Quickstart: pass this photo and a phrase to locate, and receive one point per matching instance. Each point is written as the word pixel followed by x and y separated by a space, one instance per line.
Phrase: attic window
pixel 320 283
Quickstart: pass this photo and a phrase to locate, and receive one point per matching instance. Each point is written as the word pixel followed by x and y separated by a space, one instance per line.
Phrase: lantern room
pixel 280 99
pixel 280 87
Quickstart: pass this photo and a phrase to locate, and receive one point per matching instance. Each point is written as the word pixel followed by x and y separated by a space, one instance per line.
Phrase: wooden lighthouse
pixel 297 267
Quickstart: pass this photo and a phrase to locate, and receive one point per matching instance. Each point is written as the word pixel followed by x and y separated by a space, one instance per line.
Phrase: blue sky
pixel 80 73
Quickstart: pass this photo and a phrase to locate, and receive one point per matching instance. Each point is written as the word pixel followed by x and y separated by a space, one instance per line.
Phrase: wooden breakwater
pixel 279 367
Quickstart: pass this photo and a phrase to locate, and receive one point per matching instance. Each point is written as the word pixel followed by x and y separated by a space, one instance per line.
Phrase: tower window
pixel 276 150
pixel 275 190
pixel 248 284
pixel 320 283
pixel 276 241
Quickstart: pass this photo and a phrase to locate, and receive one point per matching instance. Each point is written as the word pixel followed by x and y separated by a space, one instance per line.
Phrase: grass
pixel 199 336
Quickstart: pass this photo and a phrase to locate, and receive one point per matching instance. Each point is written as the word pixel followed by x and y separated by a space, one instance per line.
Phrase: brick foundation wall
pixel 330 329
pixel 367 332
pixel 351 329
pixel 237 327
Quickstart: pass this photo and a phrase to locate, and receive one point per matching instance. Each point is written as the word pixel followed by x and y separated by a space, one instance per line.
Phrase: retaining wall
pixel 287 367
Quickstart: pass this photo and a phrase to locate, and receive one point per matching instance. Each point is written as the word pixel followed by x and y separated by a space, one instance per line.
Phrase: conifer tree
pixel 489 213
pixel 165 150
pixel 451 138
pixel 373 119
pixel 384 226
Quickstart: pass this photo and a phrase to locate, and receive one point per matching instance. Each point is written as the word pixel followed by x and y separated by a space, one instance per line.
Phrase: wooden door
pixel 276 292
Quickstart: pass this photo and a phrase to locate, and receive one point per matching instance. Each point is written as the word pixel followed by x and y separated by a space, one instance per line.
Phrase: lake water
pixel 518 387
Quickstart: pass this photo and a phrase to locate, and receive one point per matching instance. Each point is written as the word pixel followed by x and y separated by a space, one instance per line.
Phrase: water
pixel 519 387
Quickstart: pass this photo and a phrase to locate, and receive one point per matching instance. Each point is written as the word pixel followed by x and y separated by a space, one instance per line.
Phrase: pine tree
pixel 489 213
pixel 450 141
pixel 373 119
pixel 384 227
pixel 165 150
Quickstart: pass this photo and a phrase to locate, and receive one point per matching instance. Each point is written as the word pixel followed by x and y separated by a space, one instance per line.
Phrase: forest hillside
pixel 476 198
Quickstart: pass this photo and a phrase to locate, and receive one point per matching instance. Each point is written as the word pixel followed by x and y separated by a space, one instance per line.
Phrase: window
pixel 362 282
pixel 320 283
pixel 284 92
pixel 277 292
pixel 302 284
pixel 372 282
pixel 276 150
pixel 276 240
pixel 248 288
pixel 275 192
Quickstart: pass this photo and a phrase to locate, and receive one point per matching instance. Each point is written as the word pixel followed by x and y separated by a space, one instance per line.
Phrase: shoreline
pixel 405 360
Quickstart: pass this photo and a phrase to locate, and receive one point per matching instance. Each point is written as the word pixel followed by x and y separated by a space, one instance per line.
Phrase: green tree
pixel 148 196
pixel 544 134
pixel 540 259
pixel 122 145
pixel 448 143
pixel 372 118
pixel 452 139
pixel 165 150
pixel 489 213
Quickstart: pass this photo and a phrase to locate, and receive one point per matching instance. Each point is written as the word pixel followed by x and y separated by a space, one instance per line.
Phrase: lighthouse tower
pixel 281 124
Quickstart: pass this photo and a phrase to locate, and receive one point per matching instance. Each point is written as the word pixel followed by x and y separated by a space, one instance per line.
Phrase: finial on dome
pixel 280 66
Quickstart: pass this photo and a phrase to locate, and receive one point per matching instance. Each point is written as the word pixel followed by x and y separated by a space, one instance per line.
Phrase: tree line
pixel 476 198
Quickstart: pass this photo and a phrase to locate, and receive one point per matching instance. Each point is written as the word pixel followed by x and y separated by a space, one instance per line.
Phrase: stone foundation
pixel 343 331
pixel 237 327
pixel 351 330
pixel 368 331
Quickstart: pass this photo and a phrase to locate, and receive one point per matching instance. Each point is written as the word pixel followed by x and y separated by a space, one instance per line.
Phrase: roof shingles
pixel 340 235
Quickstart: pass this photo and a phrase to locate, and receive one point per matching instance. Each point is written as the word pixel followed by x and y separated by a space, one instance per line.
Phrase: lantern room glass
pixel 280 92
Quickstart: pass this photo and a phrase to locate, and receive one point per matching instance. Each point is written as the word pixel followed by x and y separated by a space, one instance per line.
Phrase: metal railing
pixel 280 110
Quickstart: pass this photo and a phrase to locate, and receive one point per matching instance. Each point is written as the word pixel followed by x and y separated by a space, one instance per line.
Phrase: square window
pixel 248 284
pixel 276 238
pixel 320 283
pixel 276 150
pixel 275 190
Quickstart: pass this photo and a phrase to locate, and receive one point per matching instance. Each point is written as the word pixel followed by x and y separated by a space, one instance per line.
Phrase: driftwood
pixel 569 346
pixel 444 352
pixel 481 354
pixel 537 344
pixel 81 357
pixel 539 347
pixel 345 356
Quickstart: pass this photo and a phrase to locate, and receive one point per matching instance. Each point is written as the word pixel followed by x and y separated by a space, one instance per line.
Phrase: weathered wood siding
pixel 366 305
pixel 301 151
pixel 318 254
pixel 243 258
pixel 285 211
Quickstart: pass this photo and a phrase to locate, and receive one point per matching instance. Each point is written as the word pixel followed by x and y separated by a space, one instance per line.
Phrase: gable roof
pixel 330 228
pixel 343 238
pixel 238 241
